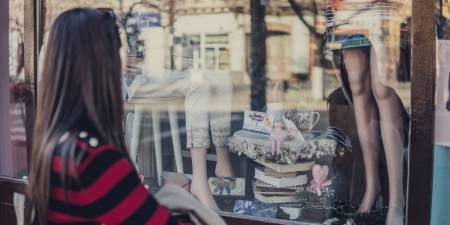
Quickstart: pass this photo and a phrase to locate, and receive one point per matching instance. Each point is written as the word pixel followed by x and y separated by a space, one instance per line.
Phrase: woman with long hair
pixel 80 169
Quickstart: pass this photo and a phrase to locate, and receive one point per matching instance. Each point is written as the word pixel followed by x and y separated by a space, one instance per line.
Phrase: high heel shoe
pixel 375 216
pixel 377 204
pixel 349 214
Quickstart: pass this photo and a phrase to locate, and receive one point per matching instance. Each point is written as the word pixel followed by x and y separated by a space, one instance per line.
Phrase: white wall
pixel 300 46
pixel 235 26
pixel 299 42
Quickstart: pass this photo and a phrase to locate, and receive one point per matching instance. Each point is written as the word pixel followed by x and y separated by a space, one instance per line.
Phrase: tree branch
pixel 146 4
pixel 312 28
pixel 299 12
pixel 315 12
pixel 315 9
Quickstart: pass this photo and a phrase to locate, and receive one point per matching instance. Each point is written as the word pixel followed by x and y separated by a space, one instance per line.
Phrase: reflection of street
pixel 17 113
pixel 18 139
pixel 16 158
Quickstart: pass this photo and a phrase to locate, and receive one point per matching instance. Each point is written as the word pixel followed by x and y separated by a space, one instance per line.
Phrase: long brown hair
pixel 81 78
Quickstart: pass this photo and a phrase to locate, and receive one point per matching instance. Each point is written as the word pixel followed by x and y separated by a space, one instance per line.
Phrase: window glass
pixel 442 141
pixel 210 58
pixel 223 58
pixel 15 94
pixel 196 47
pixel 301 116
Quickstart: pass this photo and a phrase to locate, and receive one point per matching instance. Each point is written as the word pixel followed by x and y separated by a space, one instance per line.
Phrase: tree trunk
pixel 43 9
pixel 171 30
pixel 258 56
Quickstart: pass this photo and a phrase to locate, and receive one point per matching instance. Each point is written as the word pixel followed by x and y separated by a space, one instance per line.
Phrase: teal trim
pixel 440 214
pixel 356 43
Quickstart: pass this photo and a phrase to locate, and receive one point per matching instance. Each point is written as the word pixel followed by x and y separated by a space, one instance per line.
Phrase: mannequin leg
pixel 366 114
pixel 392 132
pixel 196 92
pixel 223 165
pixel 196 105
pixel 220 116
pixel 199 186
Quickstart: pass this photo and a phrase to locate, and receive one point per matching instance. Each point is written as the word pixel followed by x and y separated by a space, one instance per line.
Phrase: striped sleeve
pixel 110 192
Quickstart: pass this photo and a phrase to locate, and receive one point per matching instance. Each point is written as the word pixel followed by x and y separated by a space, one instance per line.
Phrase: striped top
pixel 108 190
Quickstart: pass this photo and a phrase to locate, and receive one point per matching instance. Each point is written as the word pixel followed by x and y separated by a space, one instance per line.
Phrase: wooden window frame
pixel 423 68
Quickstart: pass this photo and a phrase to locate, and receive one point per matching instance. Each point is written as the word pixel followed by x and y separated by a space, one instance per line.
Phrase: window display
pixel 329 147
pixel 441 171
pixel 370 60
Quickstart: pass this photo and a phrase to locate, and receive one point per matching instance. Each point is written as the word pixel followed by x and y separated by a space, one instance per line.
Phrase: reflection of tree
pixel 43 9
pixel 163 7
pixel 302 10
pixel 258 56
pixel 16 45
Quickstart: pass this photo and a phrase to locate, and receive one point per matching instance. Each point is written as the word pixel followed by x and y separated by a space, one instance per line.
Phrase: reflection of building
pixel 219 32
pixel 16 40
pixel 14 95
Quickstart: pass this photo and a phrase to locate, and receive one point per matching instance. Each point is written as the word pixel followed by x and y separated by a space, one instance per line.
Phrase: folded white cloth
pixel 179 200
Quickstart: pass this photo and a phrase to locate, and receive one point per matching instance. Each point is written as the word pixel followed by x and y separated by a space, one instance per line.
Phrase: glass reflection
pixel 187 92
pixel 13 156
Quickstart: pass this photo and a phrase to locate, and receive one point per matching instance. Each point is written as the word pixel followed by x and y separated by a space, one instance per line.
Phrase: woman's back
pixel 102 188
pixel 80 170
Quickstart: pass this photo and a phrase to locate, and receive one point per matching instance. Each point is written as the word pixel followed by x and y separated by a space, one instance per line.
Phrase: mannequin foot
pixel 223 164
pixel 370 199
pixel 395 216
pixel 200 189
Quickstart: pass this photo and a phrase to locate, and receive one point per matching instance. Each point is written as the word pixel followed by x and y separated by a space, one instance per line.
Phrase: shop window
pixel 302 155
pixel 214 47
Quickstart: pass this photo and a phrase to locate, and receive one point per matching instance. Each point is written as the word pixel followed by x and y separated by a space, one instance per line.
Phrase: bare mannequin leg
pixel 197 123
pixel 220 120
pixel 223 165
pixel 199 186
pixel 391 122
pixel 196 92
pixel 366 115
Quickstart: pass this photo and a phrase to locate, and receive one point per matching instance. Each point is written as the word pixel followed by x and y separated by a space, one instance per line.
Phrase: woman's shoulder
pixel 86 155
pixel 82 145
pixel 91 141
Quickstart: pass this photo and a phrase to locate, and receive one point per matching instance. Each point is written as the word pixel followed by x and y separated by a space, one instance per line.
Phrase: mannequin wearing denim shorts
pixel 360 46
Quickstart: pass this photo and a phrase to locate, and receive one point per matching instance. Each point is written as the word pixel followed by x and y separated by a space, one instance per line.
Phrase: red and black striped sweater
pixel 108 189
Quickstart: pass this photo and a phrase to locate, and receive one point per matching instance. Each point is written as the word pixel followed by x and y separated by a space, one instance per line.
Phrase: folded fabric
pixel 179 200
